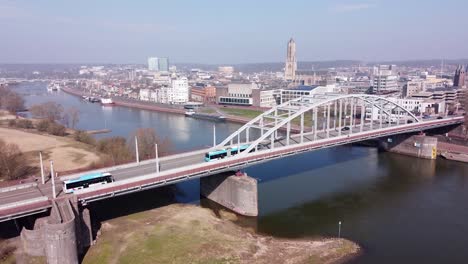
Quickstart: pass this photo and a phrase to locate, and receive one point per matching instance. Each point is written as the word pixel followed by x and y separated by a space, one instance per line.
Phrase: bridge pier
pixel 62 236
pixel 236 192
pixel 419 146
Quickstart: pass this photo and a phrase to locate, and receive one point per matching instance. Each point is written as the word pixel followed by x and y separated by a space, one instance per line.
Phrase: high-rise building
pixel 459 78
pixel 153 64
pixel 385 79
pixel 180 91
pixel 291 62
pixel 163 64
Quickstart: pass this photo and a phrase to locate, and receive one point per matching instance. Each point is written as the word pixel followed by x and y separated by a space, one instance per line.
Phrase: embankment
pixel 191 234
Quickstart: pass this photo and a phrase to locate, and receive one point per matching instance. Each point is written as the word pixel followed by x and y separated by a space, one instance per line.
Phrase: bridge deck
pixel 136 177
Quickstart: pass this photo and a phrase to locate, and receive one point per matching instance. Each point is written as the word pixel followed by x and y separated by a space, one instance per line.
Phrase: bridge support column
pixel 238 193
pixel 420 146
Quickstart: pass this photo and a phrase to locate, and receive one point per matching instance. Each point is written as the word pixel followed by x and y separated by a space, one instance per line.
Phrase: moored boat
pixel 107 101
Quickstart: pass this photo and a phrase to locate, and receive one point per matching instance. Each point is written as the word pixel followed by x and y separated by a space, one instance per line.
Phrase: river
pixel 399 209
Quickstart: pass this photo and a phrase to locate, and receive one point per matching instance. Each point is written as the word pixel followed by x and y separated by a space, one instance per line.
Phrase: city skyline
pixel 208 32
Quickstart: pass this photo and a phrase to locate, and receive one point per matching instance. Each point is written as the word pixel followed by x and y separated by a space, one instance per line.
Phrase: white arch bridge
pixel 318 117
pixel 300 125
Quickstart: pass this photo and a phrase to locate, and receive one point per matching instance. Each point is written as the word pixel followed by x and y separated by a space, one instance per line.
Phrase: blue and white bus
pixel 87 180
pixel 222 153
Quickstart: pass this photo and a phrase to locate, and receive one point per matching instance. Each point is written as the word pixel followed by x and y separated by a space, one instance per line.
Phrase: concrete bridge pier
pixel 419 146
pixel 236 192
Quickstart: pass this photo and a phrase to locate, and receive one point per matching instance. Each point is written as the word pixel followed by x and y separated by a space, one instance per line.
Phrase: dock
pixel 98 131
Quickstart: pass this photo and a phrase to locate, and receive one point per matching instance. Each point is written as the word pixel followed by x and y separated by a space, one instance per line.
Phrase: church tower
pixel 459 78
pixel 291 62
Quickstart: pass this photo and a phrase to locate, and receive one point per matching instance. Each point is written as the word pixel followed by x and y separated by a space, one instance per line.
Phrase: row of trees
pixel 54 112
pixel 10 100
pixel 120 150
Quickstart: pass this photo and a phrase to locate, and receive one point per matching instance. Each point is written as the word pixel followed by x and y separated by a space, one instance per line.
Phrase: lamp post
pixel 42 167
pixel 339 229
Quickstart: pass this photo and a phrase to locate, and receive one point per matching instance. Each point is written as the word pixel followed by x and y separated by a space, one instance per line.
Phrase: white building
pixel 228 70
pixel 416 106
pixel 179 92
pixel 267 98
pixel 145 95
pixel 305 90
pixel 385 79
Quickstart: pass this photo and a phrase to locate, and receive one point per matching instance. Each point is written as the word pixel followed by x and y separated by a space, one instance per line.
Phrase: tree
pixel 82 136
pixel 12 161
pixel 147 138
pixel 71 117
pixel 116 148
pixel 56 129
pixel 10 100
pixel 49 110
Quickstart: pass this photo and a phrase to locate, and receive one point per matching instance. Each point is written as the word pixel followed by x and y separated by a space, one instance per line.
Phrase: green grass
pixel 248 113
pixel 206 110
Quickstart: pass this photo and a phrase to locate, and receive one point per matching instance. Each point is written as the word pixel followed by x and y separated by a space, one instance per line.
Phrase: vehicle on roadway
pixel 346 128
pixel 222 153
pixel 87 180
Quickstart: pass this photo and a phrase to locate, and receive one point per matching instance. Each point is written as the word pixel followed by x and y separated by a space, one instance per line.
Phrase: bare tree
pixel 12 161
pixel 71 117
pixel 116 148
pixel 49 110
pixel 147 138
pixel 74 114
pixel 10 100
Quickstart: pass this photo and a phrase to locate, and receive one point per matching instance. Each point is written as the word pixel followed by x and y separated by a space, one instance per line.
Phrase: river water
pixel 399 209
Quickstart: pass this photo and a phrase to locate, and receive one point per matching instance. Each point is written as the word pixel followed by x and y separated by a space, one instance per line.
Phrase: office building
pixel 236 93
pixel 163 64
pixel 153 64
pixel 459 78
pixel 385 79
pixel 180 91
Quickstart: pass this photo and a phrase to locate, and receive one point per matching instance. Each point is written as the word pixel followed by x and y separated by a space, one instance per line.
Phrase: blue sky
pixel 241 31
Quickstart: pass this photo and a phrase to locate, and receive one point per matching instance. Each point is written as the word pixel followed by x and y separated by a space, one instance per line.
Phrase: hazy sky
pixel 240 31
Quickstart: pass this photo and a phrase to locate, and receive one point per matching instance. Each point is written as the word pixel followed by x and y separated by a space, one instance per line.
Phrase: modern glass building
pixel 163 64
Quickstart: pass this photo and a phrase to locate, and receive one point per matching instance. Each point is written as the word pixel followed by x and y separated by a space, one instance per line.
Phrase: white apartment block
pixel 179 92
pixel 145 94
pixel 385 79
pixel 416 106
pixel 267 98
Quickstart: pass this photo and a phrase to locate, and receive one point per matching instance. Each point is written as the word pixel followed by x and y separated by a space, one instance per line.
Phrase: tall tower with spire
pixel 291 62
pixel 459 78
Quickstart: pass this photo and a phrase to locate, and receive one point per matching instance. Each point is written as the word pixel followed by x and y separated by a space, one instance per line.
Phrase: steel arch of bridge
pixel 279 118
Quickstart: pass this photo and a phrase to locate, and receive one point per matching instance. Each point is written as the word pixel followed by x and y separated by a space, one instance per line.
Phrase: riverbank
pixel 453 151
pixel 155 107
pixel 239 115
pixel 66 153
pixel 190 234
